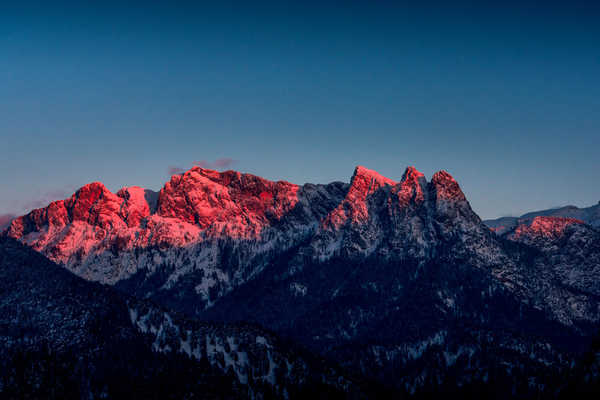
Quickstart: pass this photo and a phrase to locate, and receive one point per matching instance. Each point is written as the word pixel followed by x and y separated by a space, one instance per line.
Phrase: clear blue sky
pixel 506 98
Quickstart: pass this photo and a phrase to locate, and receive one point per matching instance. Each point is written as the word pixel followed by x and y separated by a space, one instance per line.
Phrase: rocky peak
pixel 354 208
pixel 366 180
pixel 210 198
pixel 411 187
pixel 411 174
pixel 446 188
pixel 200 207
pixel 94 204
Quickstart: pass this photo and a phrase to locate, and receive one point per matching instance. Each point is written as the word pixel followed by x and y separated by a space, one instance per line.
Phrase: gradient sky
pixel 505 98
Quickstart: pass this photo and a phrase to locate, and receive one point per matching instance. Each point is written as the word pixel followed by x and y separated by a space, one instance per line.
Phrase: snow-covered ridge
pixel 208 232
pixel 202 215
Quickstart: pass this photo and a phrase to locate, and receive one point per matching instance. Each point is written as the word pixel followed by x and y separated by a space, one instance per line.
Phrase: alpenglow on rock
pixel 400 281
pixel 219 229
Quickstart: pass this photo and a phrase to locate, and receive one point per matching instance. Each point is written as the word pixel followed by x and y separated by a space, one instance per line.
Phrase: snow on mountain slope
pixel 199 217
pixel 207 232
pixel 223 227
pixel 377 274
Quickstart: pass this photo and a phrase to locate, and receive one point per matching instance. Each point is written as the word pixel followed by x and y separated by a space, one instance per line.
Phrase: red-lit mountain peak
pixel 95 220
pixel 203 205
pixel 238 204
pixel 73 226
pixel 94 204
pixel 87 197
pixel 411 174
pixel 446 187
pixel 411 187
pixel 366 180
pixel 354 207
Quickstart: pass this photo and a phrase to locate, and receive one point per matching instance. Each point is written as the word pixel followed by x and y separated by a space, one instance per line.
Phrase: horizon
pixel 505 98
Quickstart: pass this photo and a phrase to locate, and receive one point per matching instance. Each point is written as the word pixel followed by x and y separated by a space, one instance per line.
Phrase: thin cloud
pixel 48 197
pixel 220 163
pixel 223 163
pixel 172 170
pixel 202 164
pixel 5 220
pixel 39 200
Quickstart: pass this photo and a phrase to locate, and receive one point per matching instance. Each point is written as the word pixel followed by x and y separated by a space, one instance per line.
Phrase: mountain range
pixel 589 215
pixel 375 283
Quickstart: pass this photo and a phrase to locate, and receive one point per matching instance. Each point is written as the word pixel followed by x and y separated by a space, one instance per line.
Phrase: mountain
pixel 400 282
pixel 589 215
pixel 64 337
pixel 206 232
pixel 563 265
pixel 180 238
pixel 419 292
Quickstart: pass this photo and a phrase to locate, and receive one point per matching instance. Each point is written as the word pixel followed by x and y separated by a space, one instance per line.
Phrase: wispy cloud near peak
pixel 219 163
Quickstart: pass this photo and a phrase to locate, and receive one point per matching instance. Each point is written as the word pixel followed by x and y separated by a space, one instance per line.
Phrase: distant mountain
pixel 63 337
pixel 400 282
pixel 589 215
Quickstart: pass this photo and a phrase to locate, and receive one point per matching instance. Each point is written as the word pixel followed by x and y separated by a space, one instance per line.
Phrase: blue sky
pixel 506 98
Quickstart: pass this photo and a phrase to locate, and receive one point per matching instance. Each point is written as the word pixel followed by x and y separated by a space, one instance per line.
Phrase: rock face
pixel 196 219
pixel 198 204
pixel 398 280
pixel 219 229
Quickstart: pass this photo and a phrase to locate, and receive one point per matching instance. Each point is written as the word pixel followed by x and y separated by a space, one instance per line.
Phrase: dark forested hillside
pixel 62 337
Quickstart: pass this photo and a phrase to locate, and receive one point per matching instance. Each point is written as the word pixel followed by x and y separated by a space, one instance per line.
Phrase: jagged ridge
pixel 394 271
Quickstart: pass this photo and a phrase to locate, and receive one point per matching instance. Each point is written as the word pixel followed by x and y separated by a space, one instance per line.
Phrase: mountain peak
pixel 93 188
pixel 93 202
pixel 411 186
pixel 442 176
pixel 411 173
pixel 354 207
pixel 446 187
pixel 241 204
pixel 374 178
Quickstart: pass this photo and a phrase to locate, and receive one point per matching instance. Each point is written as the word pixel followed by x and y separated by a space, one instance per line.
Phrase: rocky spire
pixel 354 207
pixel 446 188
pixel 411 187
